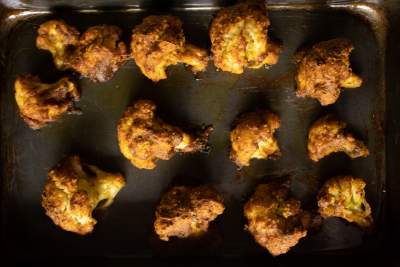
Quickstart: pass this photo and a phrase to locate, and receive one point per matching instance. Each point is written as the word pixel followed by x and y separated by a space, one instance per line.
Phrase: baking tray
pixel 124 232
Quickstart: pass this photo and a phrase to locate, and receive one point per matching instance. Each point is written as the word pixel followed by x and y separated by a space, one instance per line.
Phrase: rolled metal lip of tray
pixel 125 230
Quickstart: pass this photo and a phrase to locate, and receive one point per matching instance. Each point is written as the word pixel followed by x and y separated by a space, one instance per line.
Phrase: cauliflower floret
pixel 327 135
pixel 344 197
pixel 159 42
pixel 276 220
pixel 239 38
pixel 40 103
pixel 96 54
pixel 58 38
pixel 184 212
pixel 253 137
pixel 144 138
pixel 324 70
pixel 74 189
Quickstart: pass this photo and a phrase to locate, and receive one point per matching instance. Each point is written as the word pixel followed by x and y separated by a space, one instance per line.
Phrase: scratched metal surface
pixel 125 229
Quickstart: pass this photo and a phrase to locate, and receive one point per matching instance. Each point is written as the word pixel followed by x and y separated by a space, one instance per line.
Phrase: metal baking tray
pixel 124 232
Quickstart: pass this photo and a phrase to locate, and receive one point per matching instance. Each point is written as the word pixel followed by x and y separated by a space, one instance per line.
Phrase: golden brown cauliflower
pixel 276 220
pixel 74 189
pixel 144 138
pixel 59 39
pixel 159 42
pixel 96 54
pixel 41 103
pixel 253 137
pixel 324 70
pixel 328 135
pixel 239 38
pixel 344 197
pixel 185 211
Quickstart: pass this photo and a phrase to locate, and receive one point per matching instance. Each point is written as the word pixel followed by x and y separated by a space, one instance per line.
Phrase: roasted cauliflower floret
pixel 74 189
pixel 159 42
pixel 185 212
pixel 276 220
pixel 324 70
pixel 96 54
pixel 144 138
pixel 59 39
pixel 253 137
pixel 239 38
pixel 344 197
pixel 328 135
pixel 41 103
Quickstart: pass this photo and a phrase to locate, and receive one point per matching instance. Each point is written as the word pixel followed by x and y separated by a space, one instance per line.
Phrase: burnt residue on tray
pixel 217 98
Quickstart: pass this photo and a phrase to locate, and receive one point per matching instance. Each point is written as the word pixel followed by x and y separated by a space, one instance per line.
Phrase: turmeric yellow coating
pixel 239 38
pixel 74 189
pixel 344 197
pixel 41 103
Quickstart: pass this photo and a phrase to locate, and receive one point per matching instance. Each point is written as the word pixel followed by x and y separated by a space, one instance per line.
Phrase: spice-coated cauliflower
pixel 159 42
pixel 185 211
pixel 96 54
pixel 239 38
pixel 74 189
pixel 144 138
pixel 324 70
pixel 253 137
pixel 328 135
pixel 275 219
pixel 41 103
pixel 344 197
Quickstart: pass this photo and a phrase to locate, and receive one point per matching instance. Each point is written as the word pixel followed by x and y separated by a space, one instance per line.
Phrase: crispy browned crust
pixel 96 54
pixel 184 212
pixel 74 189
pixel 344 197
pixel 253 137
pixel 275 219
pixel 239 38
pixel 159 42
pixel 40 103
pixel 328 135
pixel 144 138
pixel 324 70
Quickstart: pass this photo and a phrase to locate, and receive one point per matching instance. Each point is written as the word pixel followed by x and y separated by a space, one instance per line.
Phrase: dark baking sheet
pixel 125 229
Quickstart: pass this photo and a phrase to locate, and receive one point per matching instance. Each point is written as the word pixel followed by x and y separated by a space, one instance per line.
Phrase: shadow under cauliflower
pixel 74 189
